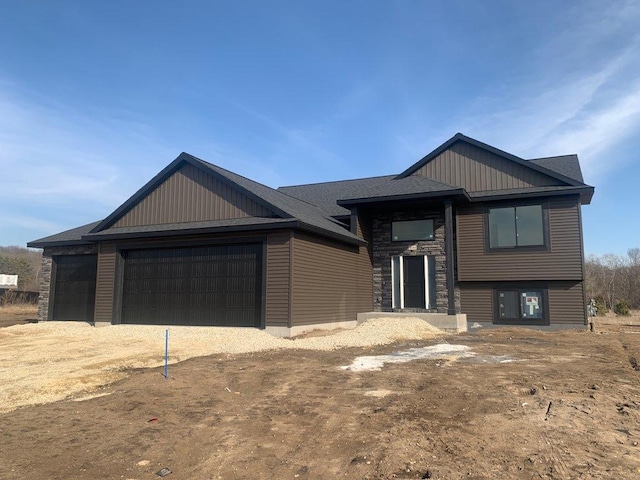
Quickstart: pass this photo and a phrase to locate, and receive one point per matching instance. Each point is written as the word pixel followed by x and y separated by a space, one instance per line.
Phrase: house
pixel 468 233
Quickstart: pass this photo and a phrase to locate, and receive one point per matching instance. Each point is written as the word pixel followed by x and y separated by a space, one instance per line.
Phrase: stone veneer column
pixel 384 249
pixel 45 286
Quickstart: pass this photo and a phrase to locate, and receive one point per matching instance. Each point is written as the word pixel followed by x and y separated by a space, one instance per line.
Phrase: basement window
pixel 412 230
pixel 521 306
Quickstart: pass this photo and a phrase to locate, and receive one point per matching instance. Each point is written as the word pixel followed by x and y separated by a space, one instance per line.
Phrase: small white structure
pixel 8 281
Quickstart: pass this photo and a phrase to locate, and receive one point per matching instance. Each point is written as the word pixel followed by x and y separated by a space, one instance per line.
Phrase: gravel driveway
pixel 50 361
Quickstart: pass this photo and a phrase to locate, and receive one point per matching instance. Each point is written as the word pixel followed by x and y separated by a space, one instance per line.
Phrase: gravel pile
pixel 49 361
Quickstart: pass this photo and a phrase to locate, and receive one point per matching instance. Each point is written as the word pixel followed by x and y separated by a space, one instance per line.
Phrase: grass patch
pixel 19 309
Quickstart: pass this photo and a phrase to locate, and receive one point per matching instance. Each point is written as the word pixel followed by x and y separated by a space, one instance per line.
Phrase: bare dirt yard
pixel 494 404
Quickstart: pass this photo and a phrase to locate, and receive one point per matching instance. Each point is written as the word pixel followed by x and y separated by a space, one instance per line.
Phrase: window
pixel 414 282
pixel 412 230
pixel 525 306
pixel 518 226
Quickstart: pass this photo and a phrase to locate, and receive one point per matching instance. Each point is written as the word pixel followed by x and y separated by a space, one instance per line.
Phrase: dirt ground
pixel 528 404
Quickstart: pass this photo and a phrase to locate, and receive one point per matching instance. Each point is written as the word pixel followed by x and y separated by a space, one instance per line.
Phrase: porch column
pixel 448 249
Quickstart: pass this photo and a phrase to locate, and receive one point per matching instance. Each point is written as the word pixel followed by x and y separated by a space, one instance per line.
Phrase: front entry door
pixel 414 282
pixel 414 291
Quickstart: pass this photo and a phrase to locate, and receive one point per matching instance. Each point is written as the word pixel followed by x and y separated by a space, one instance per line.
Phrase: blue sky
pixel 97 97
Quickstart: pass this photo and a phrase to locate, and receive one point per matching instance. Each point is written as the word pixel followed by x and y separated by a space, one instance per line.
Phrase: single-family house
pixel 469 233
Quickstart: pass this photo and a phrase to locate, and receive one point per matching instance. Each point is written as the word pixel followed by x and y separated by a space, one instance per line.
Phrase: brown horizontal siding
pixel 364 270
pixel 191 195
pixel 327 282
pixel 562 262
pixel 474 169
pixel 105 284
pixel 278 279
pixel 477 302
pixel 567 303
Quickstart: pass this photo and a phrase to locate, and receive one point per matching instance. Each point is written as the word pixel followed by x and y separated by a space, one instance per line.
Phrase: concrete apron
pixel 449 323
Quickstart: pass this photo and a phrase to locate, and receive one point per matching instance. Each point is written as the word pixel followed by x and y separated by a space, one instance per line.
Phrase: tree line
pixel 613 281
pixel 22 262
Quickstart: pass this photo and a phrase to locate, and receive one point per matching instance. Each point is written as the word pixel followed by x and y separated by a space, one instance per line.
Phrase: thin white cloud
pixel 54 154
pixel 27 222
pixel 295 150
pixel 587 116
pixel 583 98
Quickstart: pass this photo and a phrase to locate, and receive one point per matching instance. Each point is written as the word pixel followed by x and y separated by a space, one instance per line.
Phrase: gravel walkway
pixel 50 361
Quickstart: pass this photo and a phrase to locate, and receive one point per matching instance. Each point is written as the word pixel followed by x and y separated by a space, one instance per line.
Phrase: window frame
pixel 520 289
pixel 433 230
pixel 546 237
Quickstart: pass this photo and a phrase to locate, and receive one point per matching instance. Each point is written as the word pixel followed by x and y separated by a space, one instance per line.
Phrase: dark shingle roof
pixel 400 187
pixel 68 237
pixel 326 195
pixel 567 165
pixel 311 207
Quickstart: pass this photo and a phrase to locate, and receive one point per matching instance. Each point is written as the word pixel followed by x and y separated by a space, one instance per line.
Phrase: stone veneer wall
pixel 384 249
pixel 47 264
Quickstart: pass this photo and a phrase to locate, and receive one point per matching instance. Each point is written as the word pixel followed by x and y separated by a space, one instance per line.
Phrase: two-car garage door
pixel 217 285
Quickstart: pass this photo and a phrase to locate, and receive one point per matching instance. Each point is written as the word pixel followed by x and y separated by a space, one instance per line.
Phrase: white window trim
pixel 400 283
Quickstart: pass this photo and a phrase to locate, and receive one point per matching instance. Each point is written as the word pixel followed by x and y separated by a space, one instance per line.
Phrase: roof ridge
pixel 552 156
pixel 283 208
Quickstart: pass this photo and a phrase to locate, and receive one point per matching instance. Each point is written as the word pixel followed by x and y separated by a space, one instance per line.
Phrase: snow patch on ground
pixel 442 350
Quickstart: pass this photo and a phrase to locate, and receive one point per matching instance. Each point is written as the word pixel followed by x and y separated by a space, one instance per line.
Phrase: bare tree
pixel 614 278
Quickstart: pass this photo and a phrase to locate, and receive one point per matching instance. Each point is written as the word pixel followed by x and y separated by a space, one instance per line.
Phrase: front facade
pixel 468 229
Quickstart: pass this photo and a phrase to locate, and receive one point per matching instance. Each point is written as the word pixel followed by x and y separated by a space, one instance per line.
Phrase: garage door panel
pixel 74 287
pixel 213 285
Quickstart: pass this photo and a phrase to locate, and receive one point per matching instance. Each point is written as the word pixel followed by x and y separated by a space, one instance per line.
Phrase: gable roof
pixel 302 215
pixel 459 137
pixel 312 207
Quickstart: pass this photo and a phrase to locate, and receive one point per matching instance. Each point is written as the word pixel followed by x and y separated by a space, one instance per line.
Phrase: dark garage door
pixel 74 292
pixel 207 286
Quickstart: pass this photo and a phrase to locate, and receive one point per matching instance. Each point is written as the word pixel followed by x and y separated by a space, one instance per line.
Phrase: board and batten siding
pixel 278 279
pixel 327 281
pixel 562 262
pixel 105 282
pixel 191 195
pixel 566 301
pixel 476 170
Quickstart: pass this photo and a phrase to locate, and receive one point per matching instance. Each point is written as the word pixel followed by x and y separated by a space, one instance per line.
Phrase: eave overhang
pixel 586 194
pixel 172 232
pixel 459 194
